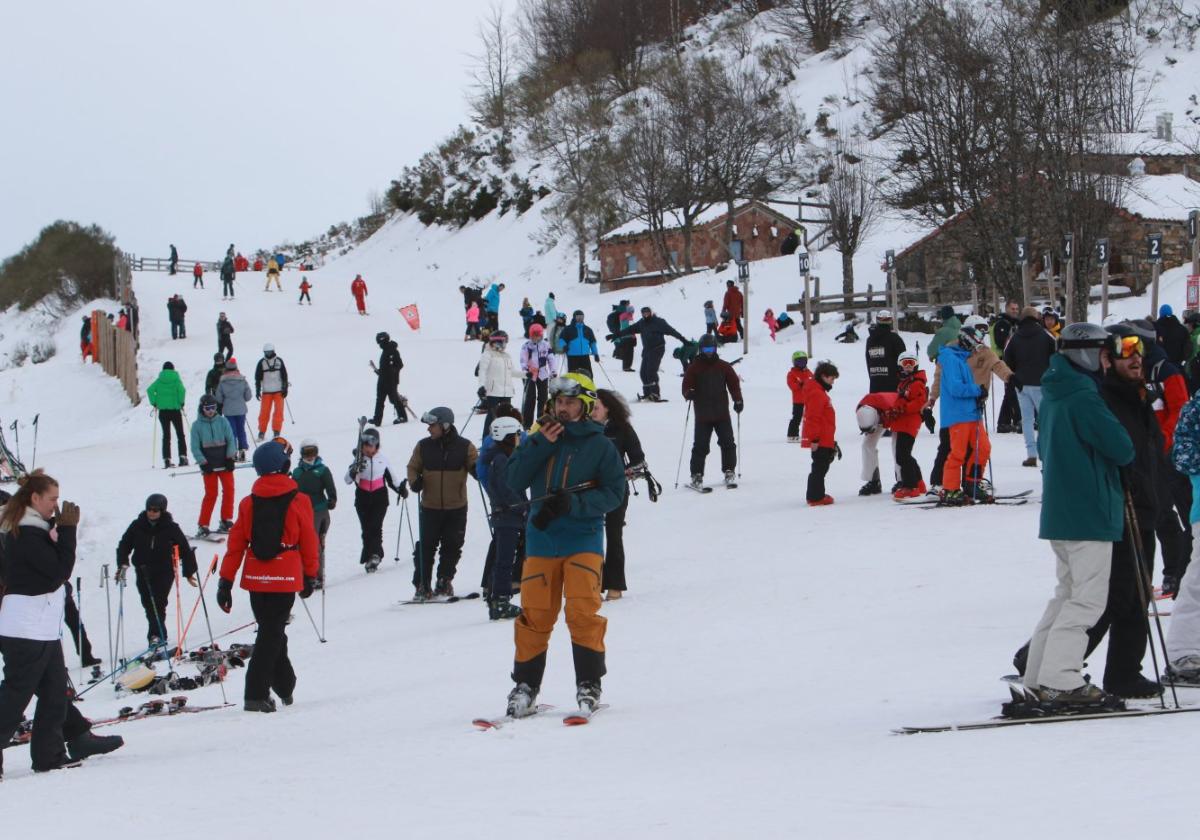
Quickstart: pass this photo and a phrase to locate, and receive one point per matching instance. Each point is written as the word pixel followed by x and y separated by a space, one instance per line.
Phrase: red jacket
pixel 305 285
pixel 286 572
pixel 359 287
pixel 197 270
pixel 732 302
pixel 910 400
pixel 1166 411
pixel 258 265
pixel 820 423
pixel 797 378
pixel 882 401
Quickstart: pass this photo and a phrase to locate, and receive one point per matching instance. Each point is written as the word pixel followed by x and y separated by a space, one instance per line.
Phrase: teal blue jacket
pixel 581 453
pixel 209 434
pixel 1082 446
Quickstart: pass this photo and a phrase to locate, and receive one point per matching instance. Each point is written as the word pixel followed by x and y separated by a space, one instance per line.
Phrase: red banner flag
pixel 411 315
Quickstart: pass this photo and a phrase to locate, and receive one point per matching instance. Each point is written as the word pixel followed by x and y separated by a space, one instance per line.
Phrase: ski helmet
pixel 1081 344
pixel 884 316
pixel 272 457
pixel 575 384
pixel 208 401
pixel 908 362
pixel 1124 342
pixel 1145 329
pixel 502 427
pixel 868 418
pixel 536 331
pixel 268 350
pixel 441 415
pixel 800 359
pixel 218 358
pixel 382 338
pixel 498 337
pixel 306 445
pixel 157 501
pixel 370 437
pixel 708 342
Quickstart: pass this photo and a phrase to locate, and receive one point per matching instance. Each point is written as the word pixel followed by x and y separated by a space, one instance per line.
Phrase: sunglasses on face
pixel 209 409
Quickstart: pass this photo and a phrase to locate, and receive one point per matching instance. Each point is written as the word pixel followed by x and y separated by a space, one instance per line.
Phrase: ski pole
pixel 411 539
pixel 1146 592
pixel 471 416
pixel 153 434
pixel 108 606
pixel 600 364
pixel 178 603
pixel 79 624
pixel 16 437
pixel 192 614
pixel 120 623
pixel 739 443
pixel 399 533
pixel 320 638
pixel 683 442
pixel 33 463
pixel 287 405
pixel 486 514
pixel 212 642
pixel 975 458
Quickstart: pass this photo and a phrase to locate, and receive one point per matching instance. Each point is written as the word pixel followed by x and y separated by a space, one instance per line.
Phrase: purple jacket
pixel 537 359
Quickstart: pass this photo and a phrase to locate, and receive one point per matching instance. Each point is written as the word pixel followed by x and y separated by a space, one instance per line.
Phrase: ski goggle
pixel 308 452
pixel 429 418
pixel 1125 346
pixel 282 441
pixel 708 350
pixel 561 386
pixel 908 365
pixel 209 409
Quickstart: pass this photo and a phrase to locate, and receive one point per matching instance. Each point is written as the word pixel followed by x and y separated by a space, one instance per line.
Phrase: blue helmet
pixel 273 457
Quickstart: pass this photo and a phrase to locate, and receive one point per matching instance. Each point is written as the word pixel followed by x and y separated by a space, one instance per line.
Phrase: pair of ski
pixel 452 599
pixel 1004 499
pixel 577 718
pixel 705 488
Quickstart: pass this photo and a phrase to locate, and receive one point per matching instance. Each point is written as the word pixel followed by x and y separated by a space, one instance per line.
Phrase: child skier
pixel 797 378
pixel 213 447
pixel 820 427
pixel 508 516
pixel 710 318
pixel 369 474
pixel 962 407
pixel 472 321
pixel 540 366
pixel 304 287
pixel 871 412
pixel 906 422
pixel 316 481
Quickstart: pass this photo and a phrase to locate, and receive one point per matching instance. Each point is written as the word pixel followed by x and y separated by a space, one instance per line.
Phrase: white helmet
pixel 884 316
pixel 502 427
pixel 977 322
pixel 308 443
pixel 868 418
pixel 268 348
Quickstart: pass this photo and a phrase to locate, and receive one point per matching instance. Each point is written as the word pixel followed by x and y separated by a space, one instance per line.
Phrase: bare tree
pixel 646 185
pixel 817 23
pixel 494 70
pixel 854 207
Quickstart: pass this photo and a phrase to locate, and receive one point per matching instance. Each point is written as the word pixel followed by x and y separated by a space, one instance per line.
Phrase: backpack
pixel 1185 451
pixel 266 525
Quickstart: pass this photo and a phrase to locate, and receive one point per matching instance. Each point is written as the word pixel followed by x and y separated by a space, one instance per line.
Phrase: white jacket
pixel 36 617
pixel 497 372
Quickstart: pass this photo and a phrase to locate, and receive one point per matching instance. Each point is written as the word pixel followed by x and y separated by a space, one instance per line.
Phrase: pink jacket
pixel 473 314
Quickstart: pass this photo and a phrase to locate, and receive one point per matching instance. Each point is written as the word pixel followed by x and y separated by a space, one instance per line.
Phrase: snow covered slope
pixel 756 666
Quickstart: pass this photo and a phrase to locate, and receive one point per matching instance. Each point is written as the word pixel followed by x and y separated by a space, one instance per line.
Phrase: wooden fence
pixel 115 349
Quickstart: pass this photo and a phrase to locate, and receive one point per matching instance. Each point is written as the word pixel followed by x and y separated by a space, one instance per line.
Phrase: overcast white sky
pixel 208 123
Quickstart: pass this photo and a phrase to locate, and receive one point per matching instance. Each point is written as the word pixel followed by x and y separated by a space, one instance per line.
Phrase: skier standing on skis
pixel 819 431
pixel 497 376
pixel 883 349
pixel 564 541
pixel 358 288
pixel 508 516
pixel 371 476
pixel 906 422
pixel 540 366
pixel 962 415
pixel 653 330
pixel 228 274
pixel 708 383
pixel 798 376
pixel 1082 447
pixel 224 331
pixel 304 287
pixel 233 396
pixel 214 447
pixel 438 470
pixel 387 383
pixel 271 388
pixel 316 481
pixel 579 343
pixel 197 276
pixel 150 544
pixel 492 305
pixel 167 395
pixel 274 544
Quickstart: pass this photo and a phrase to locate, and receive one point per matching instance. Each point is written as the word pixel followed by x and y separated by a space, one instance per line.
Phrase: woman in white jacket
pixel 497 377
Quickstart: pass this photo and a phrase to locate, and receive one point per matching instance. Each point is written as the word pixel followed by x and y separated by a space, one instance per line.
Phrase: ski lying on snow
pixel 999 722
pixel 497 723
pixel 453 599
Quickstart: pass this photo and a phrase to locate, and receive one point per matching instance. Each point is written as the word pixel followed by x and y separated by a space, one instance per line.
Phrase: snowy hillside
pixel 756 666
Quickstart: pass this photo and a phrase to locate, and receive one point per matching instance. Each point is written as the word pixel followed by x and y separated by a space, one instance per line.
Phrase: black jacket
pixel 705 383
pixel 1028 352
pixel 33 564
pixel 224 328
pixel 626 440
pixel 883 349
pixel 390 363
pixel 652 330
pixel 1130 404
pixel 152 546
pixel 1003 330
pixel 227 272
pixel 176 308
pixel 213 378
pixel 1174 338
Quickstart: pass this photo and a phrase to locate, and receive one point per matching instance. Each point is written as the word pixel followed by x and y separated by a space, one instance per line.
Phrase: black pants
pixel 536 394
pixel 226 287
pixel 943 452
pixel 178 330
pixel 491 404
pixel 168 417
pixel 1173 529
pixel 197 281
pixel 580 364
pixel 797 417
pixel 821 459
pixel 910 470
pixel 1010 409
pixel 624 352
pixel 651 358
pixel 614 548
pixel 154 588
pixel 508 542
pixel 225 345
pixel 725 440
pixel 1124 616
pixel 269 667
pixel 35 668
pixel 388 391
pixel 371 509
pixel 304 297
pixel 445 528
pixel 79 636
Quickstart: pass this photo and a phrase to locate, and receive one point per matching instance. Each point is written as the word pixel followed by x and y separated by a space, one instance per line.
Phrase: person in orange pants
pixel 359 289
pixel 962 406
pixel 271 389
pixel 213 447
pixel 564 541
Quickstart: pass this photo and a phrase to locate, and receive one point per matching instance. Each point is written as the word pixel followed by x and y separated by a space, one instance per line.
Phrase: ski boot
pixel 871 488
pixel 1029 462
pixel 954 498
pixel 167 464
pixel 1185 670
pixel 372 563
pixel 183 461
pixel 521 701
pixel 978 491
pixel 225 527
pixel 821 502
pixel 793 438
pixel 86 745
pixel 502 607
pixel 443 589
pixel 730 478
pixel 1137 688
pixel 261 435
pixel 587 695
pixel 1083 700
pixel 697 482
pixel 935 491
pixel 203 533
pixel 267 705
pixel 421 594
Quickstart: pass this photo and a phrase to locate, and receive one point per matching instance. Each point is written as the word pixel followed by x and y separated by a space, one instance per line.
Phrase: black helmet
pixel 382 338
pixel 708 340
pixel 219 357
pixel 156 500
pixel 441 415
pixel 207 401
pixel 370 436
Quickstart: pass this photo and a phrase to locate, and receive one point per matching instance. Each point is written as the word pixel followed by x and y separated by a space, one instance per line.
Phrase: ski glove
pixel 225 595
pixel 418 485
pixel 981 400
pixel 482 392
pixel 557 505
pixel 309 585
pixel 121 572
pixel 402 489
pixel 1016 383
pixel 837 450
pixel 927 418
pixel 68 516
pixel 689 395
pixel 737 406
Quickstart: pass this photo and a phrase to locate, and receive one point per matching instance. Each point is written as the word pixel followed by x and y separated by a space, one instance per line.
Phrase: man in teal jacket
pixel 1082 446
pixel 947 332
pixel 564 540
pixel 166 395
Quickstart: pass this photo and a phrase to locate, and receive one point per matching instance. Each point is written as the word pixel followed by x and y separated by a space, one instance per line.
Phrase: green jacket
pixel 167 392
pixel 948 331
pixel 582 453
pixel 316 481
pixel 1082 446
pixel 1193 344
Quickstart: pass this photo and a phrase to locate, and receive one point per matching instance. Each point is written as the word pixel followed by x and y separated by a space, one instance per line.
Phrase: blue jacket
pixel 208 435
pixel 578 340
pixel 492 299
pixel 481 466
pixel 959 391
pixel 499 493
pixel 582 453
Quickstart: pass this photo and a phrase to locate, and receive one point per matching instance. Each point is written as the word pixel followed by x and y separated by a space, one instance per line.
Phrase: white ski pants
pixel 1183 633
pixel 1060 639
pixel 870 455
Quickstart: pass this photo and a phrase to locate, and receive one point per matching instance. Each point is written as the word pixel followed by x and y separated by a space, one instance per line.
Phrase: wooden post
pixel 1026 284
pixel 808 321
pixel 1103 292
pixel 1048 263
pixel 1155 270
pixel 1070 283
pixel 817 292
pixel 975 298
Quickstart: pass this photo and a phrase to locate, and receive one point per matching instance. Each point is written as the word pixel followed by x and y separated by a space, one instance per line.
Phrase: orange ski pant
pixel 964 438
pixel 544 583
pixel 272 404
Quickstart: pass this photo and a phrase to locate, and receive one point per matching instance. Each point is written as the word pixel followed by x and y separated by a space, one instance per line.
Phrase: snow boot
pixel 225 527
pixel 502 607
pixel 871 488
pixel 793 438
pixel 63 762
pixel 167 464
pixel 183 461
pixel 88 744
pixel 730 478
pixel 522 700
pixel 697 482
pixel 421 593
pixel 287 701
pixel 1086 698
pixel 1029 462
pixel 443 589
pixel 267 705
pixel 1185 670
pixel 587 695
pixel 824 500
pixel 1138 688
